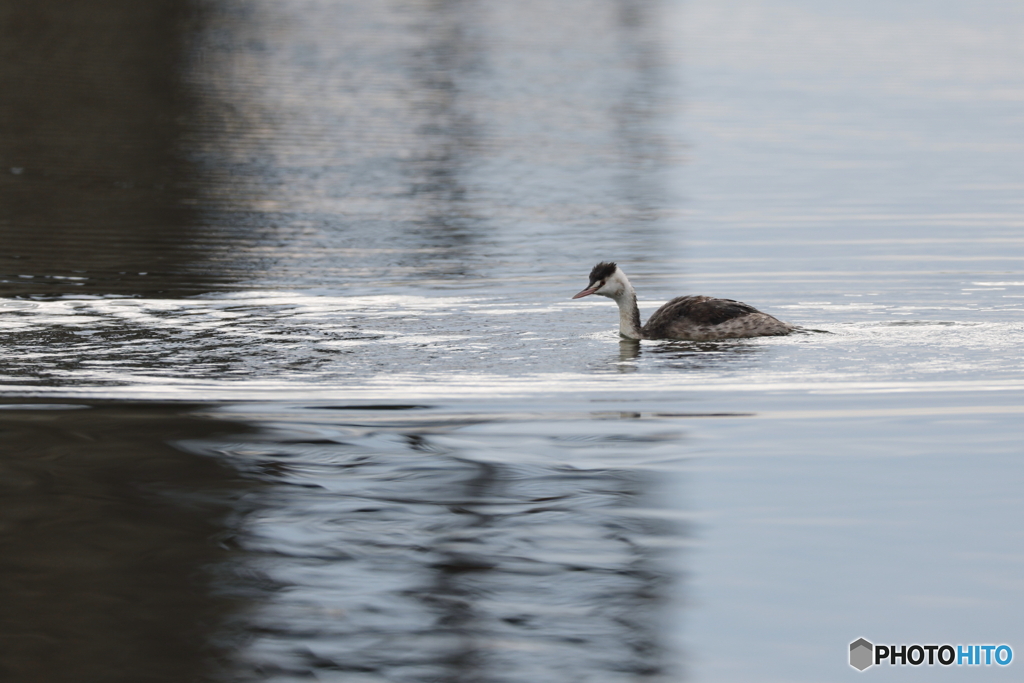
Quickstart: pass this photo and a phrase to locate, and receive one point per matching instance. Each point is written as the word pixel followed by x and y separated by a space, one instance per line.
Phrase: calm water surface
pixel 293 388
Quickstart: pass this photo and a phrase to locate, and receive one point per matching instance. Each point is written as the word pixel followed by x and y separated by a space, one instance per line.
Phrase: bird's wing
pixel 701 310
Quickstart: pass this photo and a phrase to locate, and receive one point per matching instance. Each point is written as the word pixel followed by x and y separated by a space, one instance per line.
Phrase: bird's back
pixel 702 318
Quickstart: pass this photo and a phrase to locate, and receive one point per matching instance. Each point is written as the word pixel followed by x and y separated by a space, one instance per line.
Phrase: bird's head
pixel 606 280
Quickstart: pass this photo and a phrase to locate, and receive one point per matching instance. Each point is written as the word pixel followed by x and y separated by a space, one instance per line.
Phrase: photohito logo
pixel 864 654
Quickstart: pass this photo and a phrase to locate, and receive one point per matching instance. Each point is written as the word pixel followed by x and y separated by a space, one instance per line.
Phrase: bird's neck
pixel 629 314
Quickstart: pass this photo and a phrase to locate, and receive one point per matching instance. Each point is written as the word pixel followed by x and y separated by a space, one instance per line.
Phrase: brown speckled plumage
pixel 701 318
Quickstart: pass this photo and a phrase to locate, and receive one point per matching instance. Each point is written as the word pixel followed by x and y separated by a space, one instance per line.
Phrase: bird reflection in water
pixel 685 355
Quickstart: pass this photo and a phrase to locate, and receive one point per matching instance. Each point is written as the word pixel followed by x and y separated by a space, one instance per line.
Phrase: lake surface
pixel 293 388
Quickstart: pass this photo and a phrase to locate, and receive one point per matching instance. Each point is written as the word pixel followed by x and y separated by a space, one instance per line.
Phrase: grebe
pixel 694 318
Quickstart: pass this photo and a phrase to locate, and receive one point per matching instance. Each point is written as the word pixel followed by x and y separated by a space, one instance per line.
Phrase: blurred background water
pixel 292 387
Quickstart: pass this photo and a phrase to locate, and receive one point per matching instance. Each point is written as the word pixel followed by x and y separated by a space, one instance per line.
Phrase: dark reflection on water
pixel 106 536
pixel 93 187
pixel 445 549
pixel 151 542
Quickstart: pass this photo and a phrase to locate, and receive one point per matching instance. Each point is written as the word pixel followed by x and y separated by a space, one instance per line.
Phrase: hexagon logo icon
pixel 861 654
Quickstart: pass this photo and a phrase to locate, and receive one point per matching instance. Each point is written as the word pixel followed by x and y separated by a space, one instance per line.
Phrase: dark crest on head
pixel 602 271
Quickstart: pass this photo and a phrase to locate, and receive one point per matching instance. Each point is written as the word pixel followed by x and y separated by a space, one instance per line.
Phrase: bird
pixel 691 318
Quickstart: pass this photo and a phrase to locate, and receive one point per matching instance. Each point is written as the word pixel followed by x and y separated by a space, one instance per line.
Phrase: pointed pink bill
pixel 586 292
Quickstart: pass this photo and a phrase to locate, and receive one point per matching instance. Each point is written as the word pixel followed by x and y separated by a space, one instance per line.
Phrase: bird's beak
pixel 586 292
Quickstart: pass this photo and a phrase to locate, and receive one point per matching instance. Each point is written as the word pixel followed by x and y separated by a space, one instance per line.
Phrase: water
pixel 293 387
